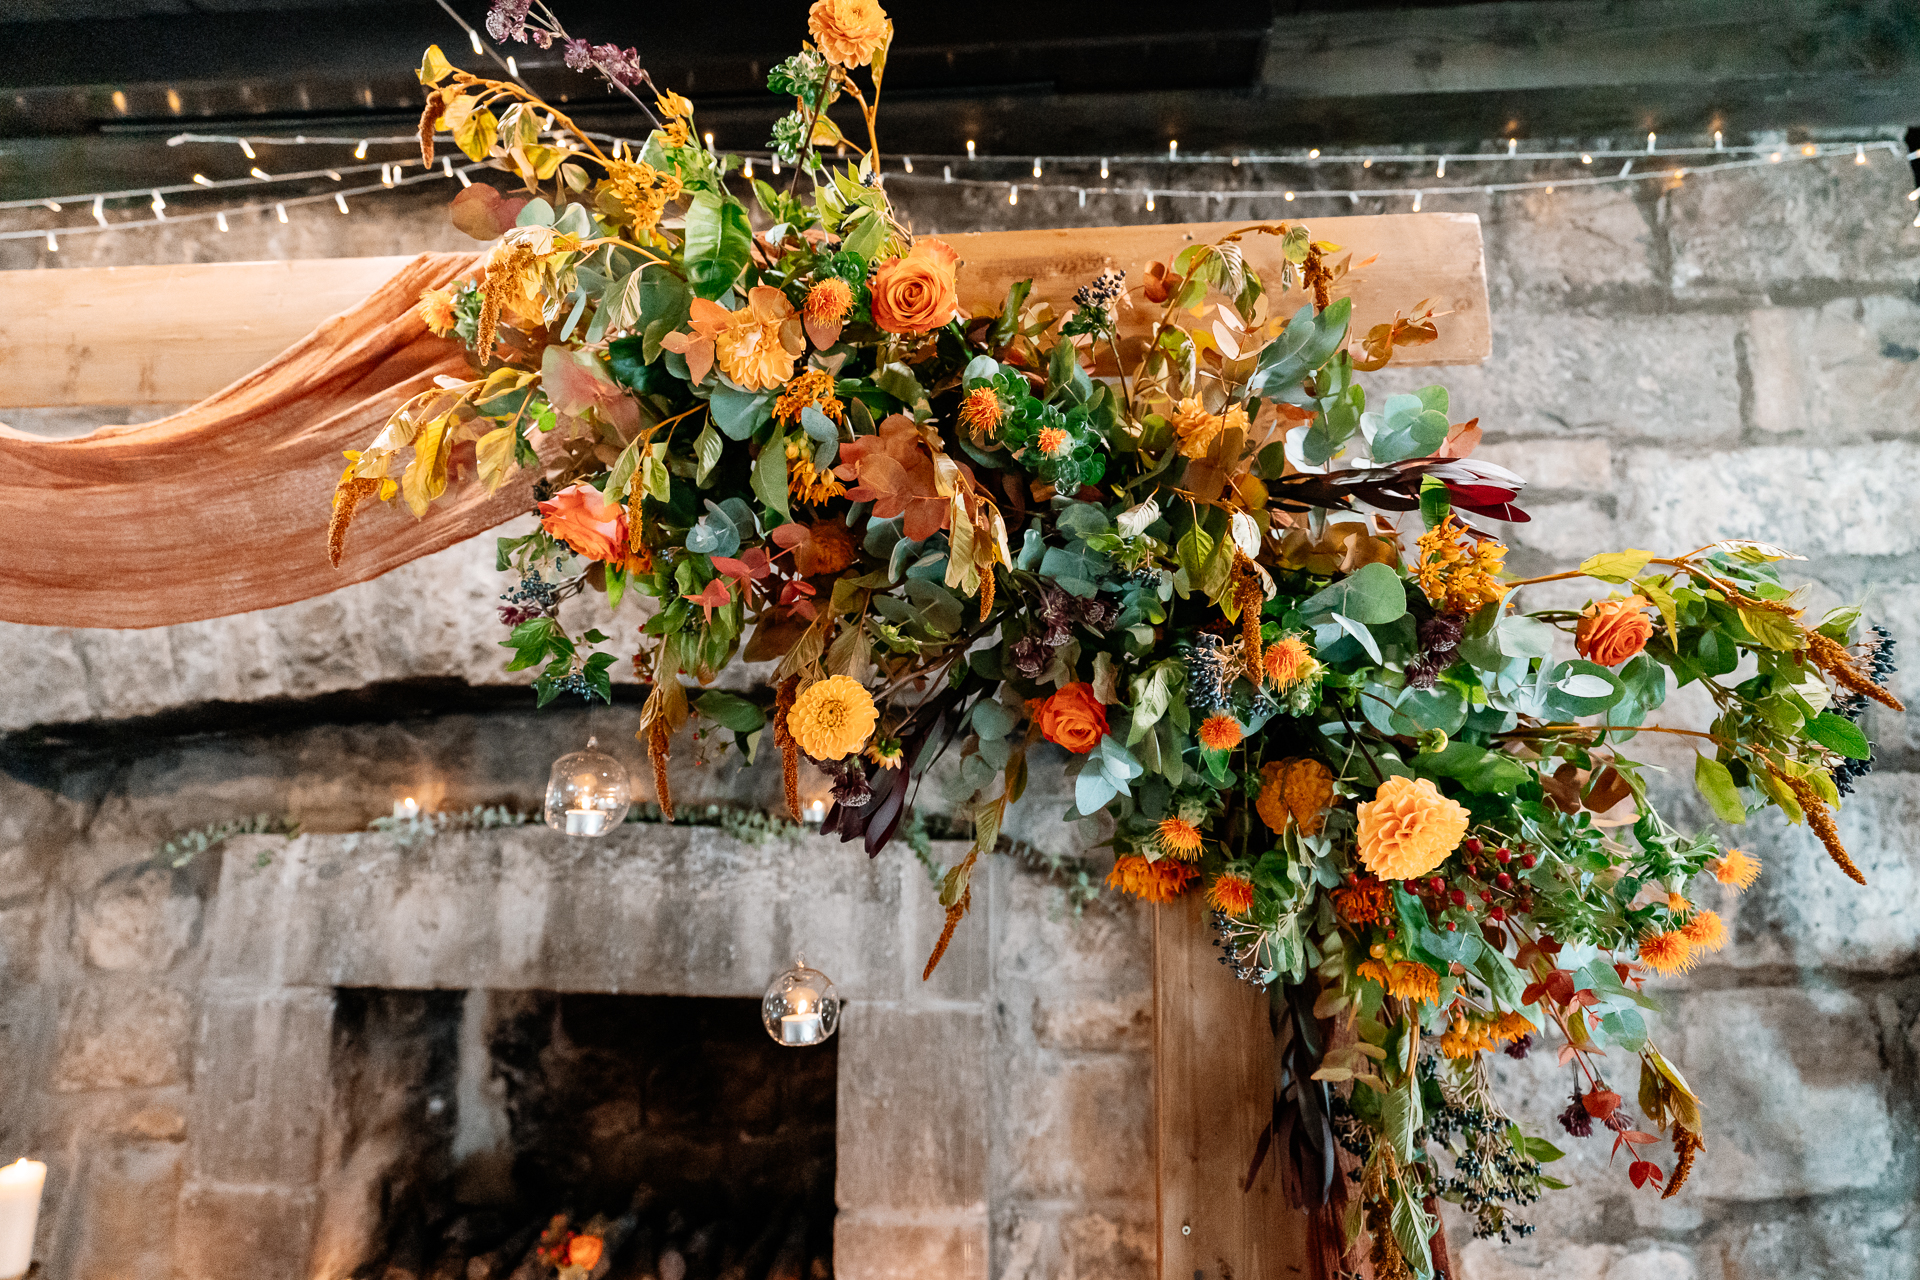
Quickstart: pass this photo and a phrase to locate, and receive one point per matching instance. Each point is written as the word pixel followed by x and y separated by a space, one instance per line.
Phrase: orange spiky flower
pixel 1160 881
pixel 1735 868
pixel 1706 931
pixel 1230 893
pixel 1666 953
pixel 1178 838
pixel 828 302
pixel 1220 732
pixel 1411 981
pixel 980 412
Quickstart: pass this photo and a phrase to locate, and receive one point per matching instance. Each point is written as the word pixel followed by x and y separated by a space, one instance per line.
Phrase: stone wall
pixel 1735 357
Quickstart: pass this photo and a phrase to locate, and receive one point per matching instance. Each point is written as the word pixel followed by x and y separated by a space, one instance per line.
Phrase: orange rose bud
pixel 1072 718
pixel 577 517
pixel 584 1252
pixel 1611 631
pixel 917 293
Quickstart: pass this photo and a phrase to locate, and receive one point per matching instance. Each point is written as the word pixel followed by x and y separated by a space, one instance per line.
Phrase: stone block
pixel 912 1119
pixel 1570 465
pixel 1569 247
pixel 1834 1239
pixel 1075 1128
pixel 1848 370
pixel 1775 230
pixel 122 1036
pixel 242 1233
pixel 1491 1260
pixel 1108 945
pixel 1818 501
pixel 141 918
pixel 124 1200
pixel 260 1086
pixel 1034 1242
pixel 1093 1021
pixel 866 1247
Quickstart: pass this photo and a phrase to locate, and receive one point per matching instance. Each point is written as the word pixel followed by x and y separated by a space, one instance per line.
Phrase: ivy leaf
pixel 1839 734
pixel 1715 782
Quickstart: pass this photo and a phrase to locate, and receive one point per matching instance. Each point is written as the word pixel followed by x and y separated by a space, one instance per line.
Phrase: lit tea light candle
pixel 408 808
pixel 585 822
pixel 802 1026
pixel 20 1185
pixel 816 811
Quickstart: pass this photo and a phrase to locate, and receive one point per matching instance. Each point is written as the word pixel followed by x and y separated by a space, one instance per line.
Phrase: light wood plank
pixel 177 334
pixel 164 335
pixel 1213 1067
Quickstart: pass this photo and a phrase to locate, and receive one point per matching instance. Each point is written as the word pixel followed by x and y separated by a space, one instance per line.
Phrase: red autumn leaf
pixel 1644 1171
pixel 752 565
pixel 1566 1054
pixel 1584 999
pixel 1560 985
pixel 715 596
pixel 1600 1103
pixel 1635 1135
pixel 797 596
pixel 1625 971
pixel 895 473
pixel 1533 992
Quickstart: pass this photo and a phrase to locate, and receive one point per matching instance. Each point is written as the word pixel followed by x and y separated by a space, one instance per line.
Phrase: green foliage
pixel 183 847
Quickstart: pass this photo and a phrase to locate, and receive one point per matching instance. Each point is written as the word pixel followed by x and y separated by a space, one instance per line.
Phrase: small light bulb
pixel 1440 170
pixel 1417 196
pixel 1774 158
pixel 461 174
pixel 1313 153
pixel 1289 195
pixel 1083 197
pixel 513 68
pixel 100 210
pixel 340 199
pixel 386 176
pixel 1013 195
pixel 1549 188
pixel 1718 143
pixel 709 138
pixel 1859 154
pixel 1367 163
pixel 969 148
pixel 907 163
pixel 946 172
pixel 1913 195
pixel 53 244
pixel 360 152
pixel 1809 150
pixel 120 101
pixel 221 219
pixel 259 173
pixel 1036 166
pixel 246 149
pixel 334 174
pixel 1103 168
pixel 1236 162
pixel 474 36
pixel 1513 145
pixel 1149 202
pixel 746 167
pixel 52 204
pixel 1586 157
pixel 1173 148
pixel 281 210
pixel 159 201
pixel 1650 138
pixel 203 179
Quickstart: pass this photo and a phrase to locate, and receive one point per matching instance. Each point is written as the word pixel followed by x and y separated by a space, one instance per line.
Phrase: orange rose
pixel 916 294
pixel 1073 718
pixel 848 32
pixel 576 517
pixel 1611 631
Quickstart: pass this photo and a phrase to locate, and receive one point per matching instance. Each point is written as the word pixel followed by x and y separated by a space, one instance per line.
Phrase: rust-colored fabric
pixel 223 508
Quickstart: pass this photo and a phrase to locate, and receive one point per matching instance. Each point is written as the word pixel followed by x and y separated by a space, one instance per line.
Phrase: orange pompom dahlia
pixel 1408 828
pixel 832 718
pixel 848 32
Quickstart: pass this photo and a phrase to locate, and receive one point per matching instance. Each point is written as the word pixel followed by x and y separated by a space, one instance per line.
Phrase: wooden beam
pixel 164 335
pixel 1213 1087
pixel 172 335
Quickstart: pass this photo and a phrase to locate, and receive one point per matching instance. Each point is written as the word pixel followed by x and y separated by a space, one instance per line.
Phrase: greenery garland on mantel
pixel 1411 813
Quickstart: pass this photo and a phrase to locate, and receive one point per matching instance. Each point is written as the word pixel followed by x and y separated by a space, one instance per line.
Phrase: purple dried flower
pixel 1422 672
pixel 850 786
pixel 1575 1119
pixel 507 20
pixel 1619 1121
pixel 1518 1049
pixel 512 615
pixel 579 55
pixel 1441 633
pixel 622 66
pixel 1030 656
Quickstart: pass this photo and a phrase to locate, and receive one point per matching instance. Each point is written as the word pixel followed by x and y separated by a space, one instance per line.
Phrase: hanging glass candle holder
pixel 801 1007
pixel 587 792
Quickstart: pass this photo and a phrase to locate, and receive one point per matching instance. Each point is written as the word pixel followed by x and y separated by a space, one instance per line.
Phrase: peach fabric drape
pixel 223 508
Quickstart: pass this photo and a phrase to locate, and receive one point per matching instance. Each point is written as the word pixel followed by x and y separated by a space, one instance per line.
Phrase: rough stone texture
pixel 1733 358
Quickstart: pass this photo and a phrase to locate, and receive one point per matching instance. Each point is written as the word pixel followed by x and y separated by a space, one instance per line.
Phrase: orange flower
pixel 1458 572
pixel 848 32
pixel 584 1252
pixel 1072 718
pixel 810 388
pixel 1408 828
pixel 1667 952
pixel 1289 661
pixel 1706 931
pixel 436 309
pixel 1299 789
pixel 1161 881
pixel 594 529
pixel 1737 869
pixel 1230 893
pixel 1220 732
pixel 917 293
pixel 832 718
pixel 980 412
pixel 1053 442
pixel 805 484
pixel 826 310
pixel 1511 1026
pixel 1677 902
pixel 1195 428
pixel 707 319
pixel 1412 981
pixel 1465 1038
pixel 758 345
pixel 1611 631
pixel 1373 971
pixel 673 106
pixel 1362 902
pixel 1178 838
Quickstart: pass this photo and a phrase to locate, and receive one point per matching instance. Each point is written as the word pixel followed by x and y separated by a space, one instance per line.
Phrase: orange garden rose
pixel 1408 828
pixel 595 530
pixel 848 32
pixel 1072 718
pixel 917 293
pixel 1611 631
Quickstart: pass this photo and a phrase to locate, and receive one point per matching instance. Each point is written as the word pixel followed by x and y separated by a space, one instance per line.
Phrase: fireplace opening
pixel 471 1133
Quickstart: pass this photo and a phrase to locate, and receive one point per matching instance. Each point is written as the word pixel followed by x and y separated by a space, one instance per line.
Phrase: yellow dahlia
pixel 1160 881
pixel 1408 828
pixel 1667 952
pixel 848 32
pixel 436 309
pixel 1230 893
pixel 1706 931
pixel 832 718
pixel 1177 838
pixel 1737 869
pixel 1220 732
pixel 1411 981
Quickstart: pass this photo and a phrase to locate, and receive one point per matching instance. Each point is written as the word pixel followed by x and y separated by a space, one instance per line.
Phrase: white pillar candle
pixel 20 1186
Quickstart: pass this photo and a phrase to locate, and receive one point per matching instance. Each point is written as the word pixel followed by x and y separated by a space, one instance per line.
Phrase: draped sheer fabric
pixel 223 508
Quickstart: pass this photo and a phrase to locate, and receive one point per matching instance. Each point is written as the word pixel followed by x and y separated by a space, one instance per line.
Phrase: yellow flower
pixel 1511 1026
pixel 1667 952
pixel 1408 828
pixel 848 32
pixel 1737 869
pixel 676 135
pixel 805 483
pixel 436 309
pixel 1677 902
pixel 1177 838
pixel 1373 971
pixel 1230 893
pixel 1458 577
pixel 1289 661
pixel 757 345
pixel 832 718
pixel 673 106
pixel 1465 1038
pixel 980 412
pixel 1195 428
pixel 1220 732
pixel 1411 981
pixel 1706 931
pixel 885 752
pixel 810 389
pixel 1160 881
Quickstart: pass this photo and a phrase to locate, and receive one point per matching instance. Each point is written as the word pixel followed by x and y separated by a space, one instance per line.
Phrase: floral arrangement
pixel 1262 613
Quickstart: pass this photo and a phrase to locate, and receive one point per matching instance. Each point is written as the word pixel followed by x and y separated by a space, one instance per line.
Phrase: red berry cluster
pixel 1484 874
